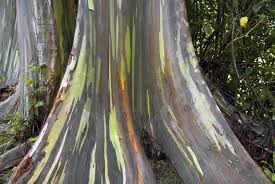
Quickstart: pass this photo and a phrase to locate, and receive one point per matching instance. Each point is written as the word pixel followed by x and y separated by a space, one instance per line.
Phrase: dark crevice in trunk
pixel 163 168
pixel 151 147
pixel 6 92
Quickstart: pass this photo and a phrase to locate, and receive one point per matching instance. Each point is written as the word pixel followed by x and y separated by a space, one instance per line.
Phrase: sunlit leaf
pixel 29 80
pixel 273 176
pixel 243 21
pixel 268 173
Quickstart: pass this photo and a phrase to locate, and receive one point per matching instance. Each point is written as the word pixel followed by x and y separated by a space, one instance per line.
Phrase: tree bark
pixel 13 156
pixel 132 66
pixel 30 50
pixel 89 135
pixel 9 59
pixel 181 111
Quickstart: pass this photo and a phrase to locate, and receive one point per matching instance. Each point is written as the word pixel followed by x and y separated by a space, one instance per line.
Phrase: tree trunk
pixel 89 135
pixel 132 67
pixel 32 58
pixel 13 157
pixel 9 59
pixel 181 112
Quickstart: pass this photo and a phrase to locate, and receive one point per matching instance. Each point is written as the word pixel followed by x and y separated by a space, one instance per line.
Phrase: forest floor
pixel 165 172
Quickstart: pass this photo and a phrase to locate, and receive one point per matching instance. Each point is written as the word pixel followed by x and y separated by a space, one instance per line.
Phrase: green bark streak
pixel 91 4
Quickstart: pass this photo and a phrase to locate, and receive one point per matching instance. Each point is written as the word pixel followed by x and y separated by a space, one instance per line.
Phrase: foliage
pixel 240 60
pixel 20 129
pixel 243 21
pixel 4 175
pixel 1 78
pixel 269 169
pixel 234 42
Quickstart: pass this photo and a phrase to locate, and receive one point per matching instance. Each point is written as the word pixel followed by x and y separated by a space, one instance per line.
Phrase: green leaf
pixel 29 80
pixel 268 173
pixel 32 139
pixel 267 165
pixel 273 177
pixel 208 29
pixel 262 16
pixel 256 8
pixel 1 78
pixel 39 104
pixel 243 21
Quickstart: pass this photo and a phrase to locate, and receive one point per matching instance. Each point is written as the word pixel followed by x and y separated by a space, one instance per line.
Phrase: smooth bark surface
pixel 8 44
pixel 9 59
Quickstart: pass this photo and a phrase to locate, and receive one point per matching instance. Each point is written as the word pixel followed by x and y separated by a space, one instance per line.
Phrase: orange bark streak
pixel 129 121
pixel 139 176
pixel 58 100
pixel 131 131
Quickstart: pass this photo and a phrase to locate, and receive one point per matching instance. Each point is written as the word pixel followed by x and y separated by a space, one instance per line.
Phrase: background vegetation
pixel 239 58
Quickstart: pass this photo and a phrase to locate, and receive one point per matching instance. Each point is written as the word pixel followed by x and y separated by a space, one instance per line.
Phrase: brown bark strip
pixel 22 168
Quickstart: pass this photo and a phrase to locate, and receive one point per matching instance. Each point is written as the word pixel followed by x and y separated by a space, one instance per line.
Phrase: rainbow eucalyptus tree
pixel 32 59
pixel 132 67
pixel 89 135
pixel 28 44
pixel 180 109
pixel 9 60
